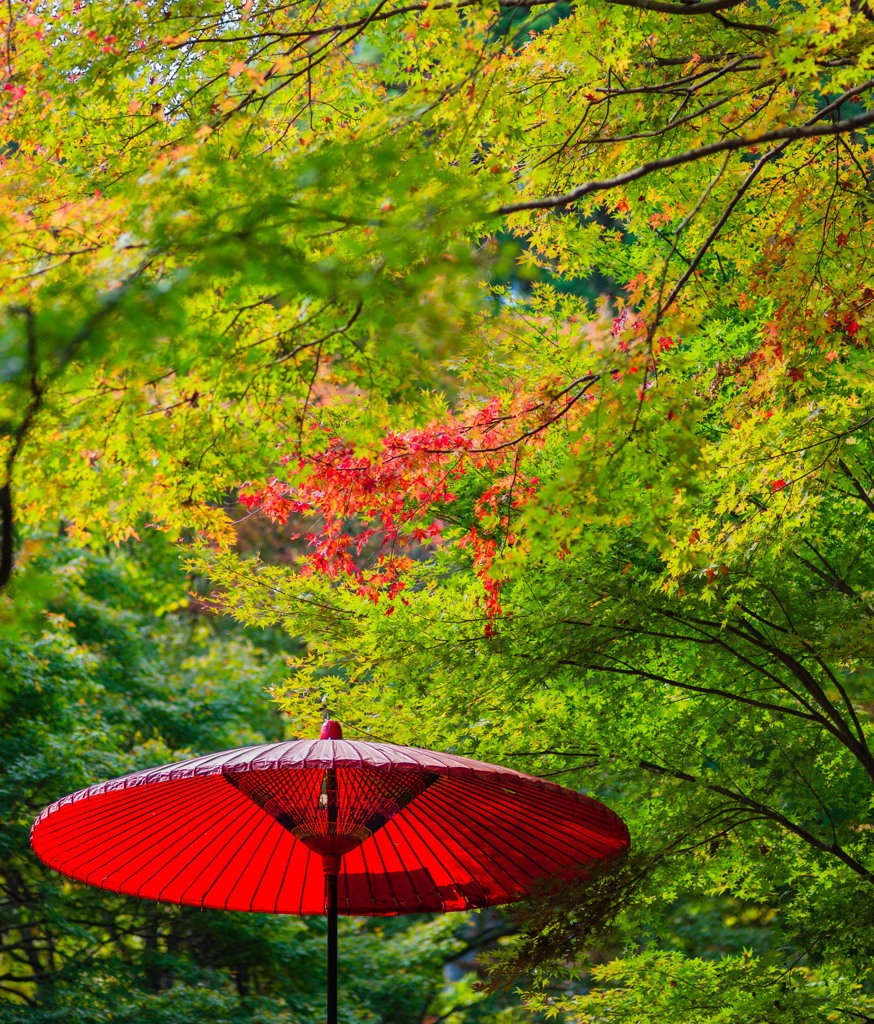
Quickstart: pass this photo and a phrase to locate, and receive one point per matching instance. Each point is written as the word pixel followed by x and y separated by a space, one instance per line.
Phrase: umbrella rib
pixel 280 832
pixel 524 833
pixel 387 835
pixel 80 827
pixel 435 796
pixel 530 833
pixel 488 865
pixel 449 811
pixel 306 869
pixel 257 820
pixel 597 837
pixel 182 839
pixel 291 850
pixel 386 874
pixel 130 840
pixel 589 809
pixel 206 811
pixel 124 812
pixel 408 820
pixel 448 851
pixel 366 877
pixel 531 796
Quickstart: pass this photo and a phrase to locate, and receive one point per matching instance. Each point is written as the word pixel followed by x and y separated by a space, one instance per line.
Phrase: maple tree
pixel 257 247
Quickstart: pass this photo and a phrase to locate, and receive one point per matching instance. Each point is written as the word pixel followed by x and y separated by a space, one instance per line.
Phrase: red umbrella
pixel 326 826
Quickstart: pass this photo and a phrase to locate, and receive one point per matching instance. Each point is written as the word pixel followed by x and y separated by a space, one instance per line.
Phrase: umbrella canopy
pixel 256 828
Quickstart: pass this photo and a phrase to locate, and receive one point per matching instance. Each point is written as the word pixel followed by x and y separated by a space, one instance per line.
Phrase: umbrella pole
pixel 331 869
pixel 331 881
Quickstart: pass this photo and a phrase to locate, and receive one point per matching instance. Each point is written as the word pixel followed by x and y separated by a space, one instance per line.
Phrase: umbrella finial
pixel 331 730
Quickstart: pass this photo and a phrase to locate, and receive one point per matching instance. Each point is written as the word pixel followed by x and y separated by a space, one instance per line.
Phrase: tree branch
pixel 7 520
pixel 707 7
pixel 765 812
pixel 787 134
